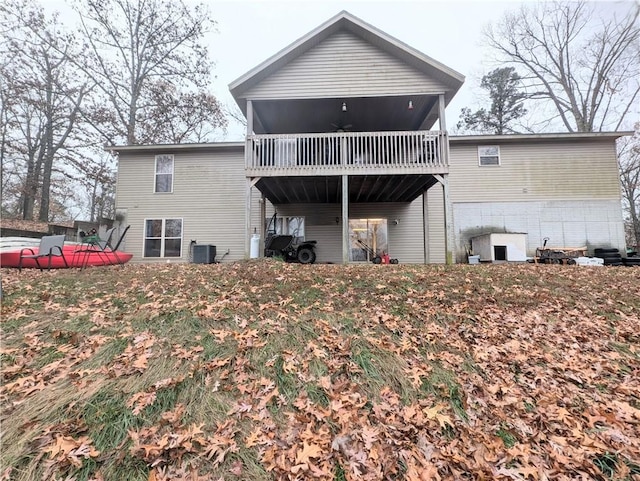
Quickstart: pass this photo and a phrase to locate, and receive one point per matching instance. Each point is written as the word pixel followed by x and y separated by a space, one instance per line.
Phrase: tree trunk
pixel 43 215
pixel 635 223
pixel 29 192
pixel 49 153
pixel 93 199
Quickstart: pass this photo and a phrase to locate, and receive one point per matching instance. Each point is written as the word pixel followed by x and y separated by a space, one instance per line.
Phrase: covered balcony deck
pixel 347 153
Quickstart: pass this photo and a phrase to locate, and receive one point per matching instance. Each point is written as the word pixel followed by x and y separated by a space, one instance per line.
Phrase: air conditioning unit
pixel 204 254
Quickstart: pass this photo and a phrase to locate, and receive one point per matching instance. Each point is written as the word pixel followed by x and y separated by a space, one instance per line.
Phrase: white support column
pixel 444 180
pixel 249 117
pixel 251 182
pixel 248 156
pixel 345 219
pixel 443 127
pixel 425 225
pixel 248 144
pixel 441 116
pixel 449 239
pixel 247 227
pixel 263 214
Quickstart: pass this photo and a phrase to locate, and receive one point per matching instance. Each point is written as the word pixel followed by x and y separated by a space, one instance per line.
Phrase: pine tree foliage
pixel 503 87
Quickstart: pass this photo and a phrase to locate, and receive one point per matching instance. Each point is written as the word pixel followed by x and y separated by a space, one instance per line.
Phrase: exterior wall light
pixel 410 106
pixel 344 106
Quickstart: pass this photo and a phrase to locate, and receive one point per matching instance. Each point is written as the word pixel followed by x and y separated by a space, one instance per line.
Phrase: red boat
pixel 76 255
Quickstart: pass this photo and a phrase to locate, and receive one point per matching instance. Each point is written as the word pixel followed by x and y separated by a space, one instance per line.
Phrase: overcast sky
pixel 249 32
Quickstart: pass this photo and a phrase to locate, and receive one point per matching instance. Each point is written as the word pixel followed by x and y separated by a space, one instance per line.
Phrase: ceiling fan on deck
pixel 342 127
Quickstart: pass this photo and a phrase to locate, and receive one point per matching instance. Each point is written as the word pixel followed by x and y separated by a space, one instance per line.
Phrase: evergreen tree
pixel 503 87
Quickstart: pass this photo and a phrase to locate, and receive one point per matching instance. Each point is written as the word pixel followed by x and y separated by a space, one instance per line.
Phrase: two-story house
pixel 347 142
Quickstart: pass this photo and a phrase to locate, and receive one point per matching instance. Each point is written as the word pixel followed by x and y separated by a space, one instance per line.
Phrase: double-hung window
pixel 164 174
pixel 488 155
pixel 163 238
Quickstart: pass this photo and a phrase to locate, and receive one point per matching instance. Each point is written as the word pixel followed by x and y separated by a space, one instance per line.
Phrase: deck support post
pixel 248 147
pixel 248 162
pixel 448 218
pixel 263 228
pixel 251 182
pixel 441 116
pixel 443 129
pixel 425 225
pixel 249 117
pixel 345 219
pixel 444 180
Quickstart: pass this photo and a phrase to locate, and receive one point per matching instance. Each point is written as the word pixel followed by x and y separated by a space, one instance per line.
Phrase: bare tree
pixel 147 56
pixel 96 173
pixel 235 114
pixel 629 163
pixel 178 117
pixel 588 69
pixel 46 94
pixel 7 170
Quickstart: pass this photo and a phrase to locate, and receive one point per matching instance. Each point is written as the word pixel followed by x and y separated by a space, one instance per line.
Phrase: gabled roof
pixel 345 21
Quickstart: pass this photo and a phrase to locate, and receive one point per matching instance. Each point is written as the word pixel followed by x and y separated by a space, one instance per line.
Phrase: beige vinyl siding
pixel 344 65
pixel 435 229
pixel 405 238
pixel 320 225
pixel 208 194
pixel 329 242
pixel 567 190
pixel 536 171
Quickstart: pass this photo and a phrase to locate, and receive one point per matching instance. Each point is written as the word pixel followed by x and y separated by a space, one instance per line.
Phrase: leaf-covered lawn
pixel 265 370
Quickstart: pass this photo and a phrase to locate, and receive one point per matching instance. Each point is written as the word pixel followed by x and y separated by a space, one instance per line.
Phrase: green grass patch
pixel 317 394
pixel 607 464
pixel 507 437
pixel 7 359
pixel 443 384
pixel 47 355
pixel 306 296
pixel 379 369
pixel 129 468
pixel 108 418
pixel 107 352
pixel 339 475
pixel 624 349
pixel 252 468
pixel 214 349
pixel 287 383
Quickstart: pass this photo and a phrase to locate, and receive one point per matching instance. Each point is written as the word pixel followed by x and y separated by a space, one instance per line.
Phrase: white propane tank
pixel 255 246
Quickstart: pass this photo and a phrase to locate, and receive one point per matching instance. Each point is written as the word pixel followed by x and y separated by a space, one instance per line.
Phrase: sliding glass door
pixel 367 239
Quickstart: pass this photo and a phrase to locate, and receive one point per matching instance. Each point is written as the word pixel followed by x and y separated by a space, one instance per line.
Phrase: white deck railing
pixel 342 151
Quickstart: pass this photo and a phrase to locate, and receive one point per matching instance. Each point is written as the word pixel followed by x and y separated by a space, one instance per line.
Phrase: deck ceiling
pixel 364 114
pixel 364 188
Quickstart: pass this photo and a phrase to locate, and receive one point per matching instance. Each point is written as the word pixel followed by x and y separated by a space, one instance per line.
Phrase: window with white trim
pixel 164 174
pixel 163 238
pixel 488 155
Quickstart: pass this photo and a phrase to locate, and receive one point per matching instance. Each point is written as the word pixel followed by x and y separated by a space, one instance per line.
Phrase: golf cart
pixel 288 246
